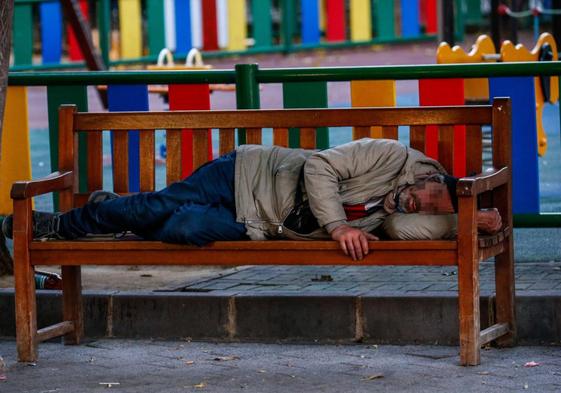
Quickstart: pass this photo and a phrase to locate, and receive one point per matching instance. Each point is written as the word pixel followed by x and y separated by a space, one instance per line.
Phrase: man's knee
pixel 400 226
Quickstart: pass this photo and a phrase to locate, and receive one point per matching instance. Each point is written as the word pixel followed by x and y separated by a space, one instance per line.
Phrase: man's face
pixel 428 197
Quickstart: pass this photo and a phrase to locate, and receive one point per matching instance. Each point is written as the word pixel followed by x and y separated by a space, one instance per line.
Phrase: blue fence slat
pixel 310 22
pixel 183 26
pixel 130 98
pixel 410 18
pixel 51 31
pixel 525 190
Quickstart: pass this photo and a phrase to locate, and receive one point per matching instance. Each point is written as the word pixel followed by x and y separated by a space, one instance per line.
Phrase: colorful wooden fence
pixel 218 26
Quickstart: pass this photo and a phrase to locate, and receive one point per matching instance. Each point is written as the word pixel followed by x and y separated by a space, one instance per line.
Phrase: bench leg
pixel 24 283
pixel 72 302
pixel 468 283
pixel 504 284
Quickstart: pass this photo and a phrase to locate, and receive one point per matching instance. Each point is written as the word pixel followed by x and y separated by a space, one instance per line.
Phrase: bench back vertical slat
pixel 389 132
pixel 446 147
pixel 67 161
pixel 95 161
pixel 253 136
pixel 173 156
pixel 474 150
pixel 120 161
pixel 308 138
pixel 200 147
pixel 147 161
pixel 280 137
pixel 360 132
pixel 417 137
pixel 227 140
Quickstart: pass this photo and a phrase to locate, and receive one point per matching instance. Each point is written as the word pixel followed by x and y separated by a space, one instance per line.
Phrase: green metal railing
pixel 247 78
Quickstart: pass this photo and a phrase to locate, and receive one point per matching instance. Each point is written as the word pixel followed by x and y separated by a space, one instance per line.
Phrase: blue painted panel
pixel 51 32
pixel 123 98
pixel 183 26
pixel 310 22
pixel 410 18
pixel 525 190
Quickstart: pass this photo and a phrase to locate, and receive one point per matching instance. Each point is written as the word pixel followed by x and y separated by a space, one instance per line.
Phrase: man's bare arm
pixel 489 221
pixel 353 241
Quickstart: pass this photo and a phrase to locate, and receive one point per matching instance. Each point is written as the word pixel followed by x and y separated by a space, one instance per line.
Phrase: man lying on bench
pixel 262 192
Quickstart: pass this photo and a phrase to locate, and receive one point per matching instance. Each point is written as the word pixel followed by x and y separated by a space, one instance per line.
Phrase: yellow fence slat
pixel 237 25
pixel 130 25
pixel 16 158
pixel 361 20
pixel 373 93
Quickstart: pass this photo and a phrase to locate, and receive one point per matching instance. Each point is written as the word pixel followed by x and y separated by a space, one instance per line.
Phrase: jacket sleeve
pixel 324 170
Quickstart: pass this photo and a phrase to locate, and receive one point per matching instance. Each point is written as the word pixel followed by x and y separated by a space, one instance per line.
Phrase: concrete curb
pixel 389 318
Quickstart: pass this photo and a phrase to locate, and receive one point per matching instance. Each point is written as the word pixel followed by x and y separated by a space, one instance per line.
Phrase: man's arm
pixel 489 221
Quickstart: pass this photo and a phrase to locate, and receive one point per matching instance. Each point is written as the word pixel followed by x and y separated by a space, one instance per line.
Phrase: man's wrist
pixel 334 225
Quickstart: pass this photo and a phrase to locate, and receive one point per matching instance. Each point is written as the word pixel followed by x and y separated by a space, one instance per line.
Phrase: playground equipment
pixel 219 27
pixel 546 89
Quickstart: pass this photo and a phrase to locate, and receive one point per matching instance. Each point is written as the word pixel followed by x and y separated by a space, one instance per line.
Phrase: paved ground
pixel 163 366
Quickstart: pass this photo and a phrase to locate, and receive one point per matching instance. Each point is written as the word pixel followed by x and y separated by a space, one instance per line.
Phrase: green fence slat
pixel 56 96
pixel 247 92
pixel 156 32
pixel 104 28
pixel 384 19
pixel 262 23
pixel 459 19
pixel 306 95
pixel 23 34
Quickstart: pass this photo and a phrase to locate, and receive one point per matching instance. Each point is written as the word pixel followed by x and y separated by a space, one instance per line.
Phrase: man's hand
pixel 353 241
pixel 489 221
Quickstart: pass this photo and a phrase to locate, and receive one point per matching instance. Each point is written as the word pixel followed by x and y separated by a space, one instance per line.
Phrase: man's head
pixel 434 195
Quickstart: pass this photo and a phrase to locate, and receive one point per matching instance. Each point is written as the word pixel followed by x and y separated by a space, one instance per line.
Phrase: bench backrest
pixel 442 121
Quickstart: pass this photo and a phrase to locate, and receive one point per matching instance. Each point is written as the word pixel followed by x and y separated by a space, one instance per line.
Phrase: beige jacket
pixel 266 179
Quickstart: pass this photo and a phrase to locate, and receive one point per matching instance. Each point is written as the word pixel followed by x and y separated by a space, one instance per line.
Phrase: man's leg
pixel 143 212
pixel 200 224
pixel 414 226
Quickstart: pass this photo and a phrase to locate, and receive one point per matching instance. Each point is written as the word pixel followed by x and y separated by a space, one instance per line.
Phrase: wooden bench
pixel 466 252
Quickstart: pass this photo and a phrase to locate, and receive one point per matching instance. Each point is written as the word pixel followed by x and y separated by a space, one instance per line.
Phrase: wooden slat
pixel 280 137
pixel 417 138
pixel 361 132
pixel 493 332
pixel 226 140
pixel 56 330
pixel 285 118
pixel 390 132
pixel 474 150
pixel 446 147
pixel 147 161
pixel 253 136
pixel 68 159
pixel 308 138
pixel 120 162
pixel 173 156
pixel 95 162
pixel 200 147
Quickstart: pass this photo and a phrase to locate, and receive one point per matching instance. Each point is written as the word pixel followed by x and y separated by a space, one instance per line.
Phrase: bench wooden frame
pixel 466 252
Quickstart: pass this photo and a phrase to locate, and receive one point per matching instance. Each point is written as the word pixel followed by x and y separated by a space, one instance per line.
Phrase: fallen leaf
pixel 226 358
pixel 200 385
pixel 110 384
pixel 189 362
pixel 373 376
pixel 483 373
pixel 531 364
pixel 261 371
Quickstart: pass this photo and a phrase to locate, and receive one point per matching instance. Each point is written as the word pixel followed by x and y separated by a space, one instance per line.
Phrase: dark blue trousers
pixel 196 210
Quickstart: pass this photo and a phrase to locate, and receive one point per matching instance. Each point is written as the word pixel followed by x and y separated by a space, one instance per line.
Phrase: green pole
pixel 104 27
pixel 247 91
pixel 287 24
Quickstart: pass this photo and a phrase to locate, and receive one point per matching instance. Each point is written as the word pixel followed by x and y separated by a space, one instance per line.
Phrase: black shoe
pixel 101 195
pixel 45 225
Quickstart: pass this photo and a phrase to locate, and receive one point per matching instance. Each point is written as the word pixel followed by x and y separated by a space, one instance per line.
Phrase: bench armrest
pixel 475 185
pixel 56 181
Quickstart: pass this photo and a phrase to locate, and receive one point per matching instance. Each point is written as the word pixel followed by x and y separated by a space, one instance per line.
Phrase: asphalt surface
pixel 181 366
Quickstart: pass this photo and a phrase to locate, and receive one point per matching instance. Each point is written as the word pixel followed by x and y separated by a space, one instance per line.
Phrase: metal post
pixel 446 21
pixel 287 24
pixel 247 91
pixel 495 24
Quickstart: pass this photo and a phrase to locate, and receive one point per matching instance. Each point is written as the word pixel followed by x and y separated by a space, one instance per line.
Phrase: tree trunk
pixel 6 14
